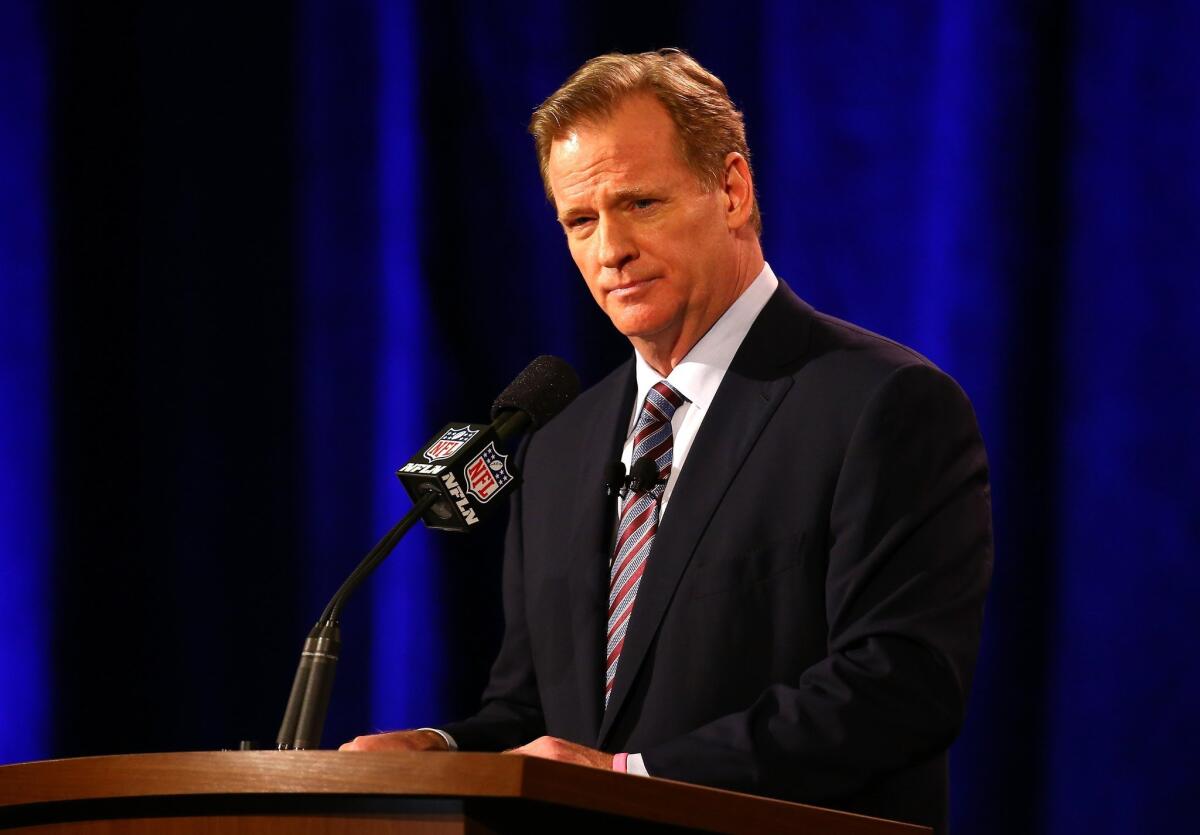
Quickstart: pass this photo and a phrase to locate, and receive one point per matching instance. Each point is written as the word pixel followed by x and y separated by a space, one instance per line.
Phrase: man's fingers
pixel 355 744
pixel 396 741
pixel 553 748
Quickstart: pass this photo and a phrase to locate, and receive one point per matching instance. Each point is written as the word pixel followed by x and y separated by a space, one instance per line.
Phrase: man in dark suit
pixel 789 600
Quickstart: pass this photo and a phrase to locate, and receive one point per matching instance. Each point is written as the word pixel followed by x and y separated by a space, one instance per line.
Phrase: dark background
pixel 252 255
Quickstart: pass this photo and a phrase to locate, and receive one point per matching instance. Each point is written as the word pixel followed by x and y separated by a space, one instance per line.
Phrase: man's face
pixel 652 245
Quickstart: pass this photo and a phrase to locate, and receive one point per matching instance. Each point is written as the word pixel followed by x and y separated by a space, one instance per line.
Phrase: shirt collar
pixel 698 375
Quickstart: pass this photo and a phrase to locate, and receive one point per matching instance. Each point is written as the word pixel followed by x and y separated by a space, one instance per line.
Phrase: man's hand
pixel 553 748
pixel 397 741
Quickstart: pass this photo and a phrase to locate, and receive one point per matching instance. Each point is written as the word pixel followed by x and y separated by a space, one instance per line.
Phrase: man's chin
pixel 639 321
pixel 642 330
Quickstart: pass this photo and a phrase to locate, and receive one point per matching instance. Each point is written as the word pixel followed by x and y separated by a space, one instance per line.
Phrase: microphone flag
pixel 463 465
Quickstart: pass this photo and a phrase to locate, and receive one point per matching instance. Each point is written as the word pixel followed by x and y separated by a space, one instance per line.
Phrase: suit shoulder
pixel 837 335
pixel 853 365
pixel 814 341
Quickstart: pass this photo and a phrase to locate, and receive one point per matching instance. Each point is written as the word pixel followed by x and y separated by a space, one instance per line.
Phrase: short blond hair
pixel 708 124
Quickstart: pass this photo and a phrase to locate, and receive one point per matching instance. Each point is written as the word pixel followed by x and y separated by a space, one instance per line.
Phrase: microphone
pixel 614 479
pixel 465 454
pixel 643 475
pixel 543 389
pixel 463 465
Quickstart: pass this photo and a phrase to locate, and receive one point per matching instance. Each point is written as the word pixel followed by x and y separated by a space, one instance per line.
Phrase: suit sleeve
pixel 909 560
pixel 511 713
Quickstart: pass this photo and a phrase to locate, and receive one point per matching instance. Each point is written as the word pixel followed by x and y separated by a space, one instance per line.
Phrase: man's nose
pixel 616 241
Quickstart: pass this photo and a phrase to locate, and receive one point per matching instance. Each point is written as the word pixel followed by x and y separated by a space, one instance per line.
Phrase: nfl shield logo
pixel 487 473
pixel 450 443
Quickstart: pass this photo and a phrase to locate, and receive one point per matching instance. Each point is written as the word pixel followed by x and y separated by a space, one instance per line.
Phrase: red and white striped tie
pixel 653 439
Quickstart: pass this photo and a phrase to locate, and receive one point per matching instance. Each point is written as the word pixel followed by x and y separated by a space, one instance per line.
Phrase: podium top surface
pixel 434 775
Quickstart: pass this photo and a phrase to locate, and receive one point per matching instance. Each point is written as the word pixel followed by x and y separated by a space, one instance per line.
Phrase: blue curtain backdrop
pixel 25 387
pixel 250 257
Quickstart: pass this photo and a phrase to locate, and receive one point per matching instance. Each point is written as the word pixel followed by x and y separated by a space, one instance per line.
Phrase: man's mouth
pixel 632 288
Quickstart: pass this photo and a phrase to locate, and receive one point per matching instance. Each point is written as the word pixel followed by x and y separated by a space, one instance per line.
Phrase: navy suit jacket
pixel 809 617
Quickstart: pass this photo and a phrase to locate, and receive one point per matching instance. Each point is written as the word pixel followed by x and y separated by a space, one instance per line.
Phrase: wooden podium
pixel 319 792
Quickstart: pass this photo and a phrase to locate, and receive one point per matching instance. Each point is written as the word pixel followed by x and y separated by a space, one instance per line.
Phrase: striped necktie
pixel 653 439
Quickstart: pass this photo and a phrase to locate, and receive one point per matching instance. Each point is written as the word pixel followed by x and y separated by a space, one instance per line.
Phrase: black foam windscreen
pixel 541 391
pixel 643 475
pixel 614 477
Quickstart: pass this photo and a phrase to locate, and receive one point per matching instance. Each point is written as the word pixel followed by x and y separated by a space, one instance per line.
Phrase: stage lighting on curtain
pixel 364 354
pixel 24 387
pixel 407 646
pixel 1124 678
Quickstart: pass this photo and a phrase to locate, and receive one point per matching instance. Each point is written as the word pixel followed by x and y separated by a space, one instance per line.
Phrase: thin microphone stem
pixel 313 684
pixel 376 556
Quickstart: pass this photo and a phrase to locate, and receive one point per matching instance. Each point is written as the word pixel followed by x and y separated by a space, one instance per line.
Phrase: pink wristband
pixel 619 762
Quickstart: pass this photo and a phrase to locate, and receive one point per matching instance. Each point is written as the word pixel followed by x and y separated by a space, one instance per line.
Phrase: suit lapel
pixel 757 380
pixel 601 434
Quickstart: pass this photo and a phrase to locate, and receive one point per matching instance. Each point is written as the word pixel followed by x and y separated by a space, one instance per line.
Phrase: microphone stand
pixel 308 703
pixel 537 394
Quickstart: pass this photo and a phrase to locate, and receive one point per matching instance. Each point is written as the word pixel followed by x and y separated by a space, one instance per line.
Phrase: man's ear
pixel 738 190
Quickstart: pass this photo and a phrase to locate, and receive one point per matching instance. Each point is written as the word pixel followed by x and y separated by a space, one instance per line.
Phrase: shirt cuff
pixel 450 743
pixel 619 762
pixel 635 765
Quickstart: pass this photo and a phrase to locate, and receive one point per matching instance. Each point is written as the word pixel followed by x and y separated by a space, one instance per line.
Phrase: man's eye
pixel 644 203
pixel 576 222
